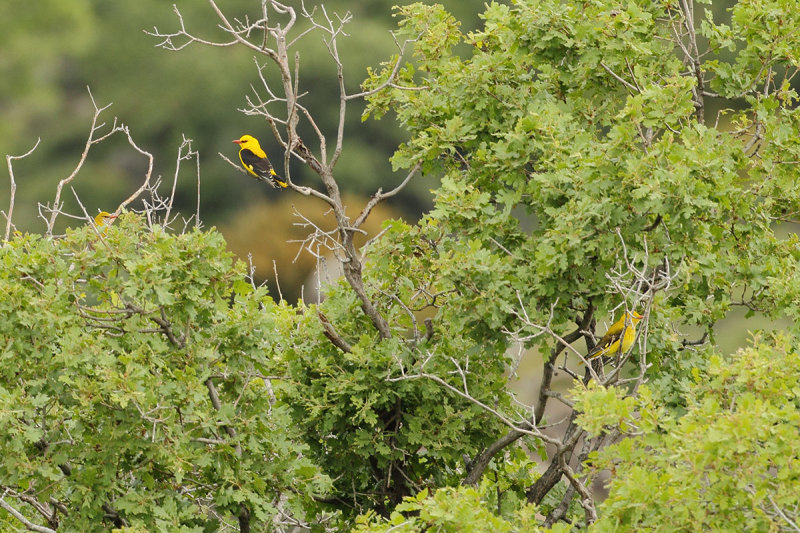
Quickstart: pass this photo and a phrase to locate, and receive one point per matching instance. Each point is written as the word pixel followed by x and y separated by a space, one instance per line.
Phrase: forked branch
pixel 55 209
pixel 274 42
pixel 95 138
pixel 10 213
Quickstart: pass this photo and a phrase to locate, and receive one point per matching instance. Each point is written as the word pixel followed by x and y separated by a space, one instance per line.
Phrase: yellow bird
pixel 103 220
pixel 623 330
pixel 256 163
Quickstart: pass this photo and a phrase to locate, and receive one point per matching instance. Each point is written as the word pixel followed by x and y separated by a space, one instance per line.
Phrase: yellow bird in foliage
pixel 619 337
pixel 103 220
pixel 255 161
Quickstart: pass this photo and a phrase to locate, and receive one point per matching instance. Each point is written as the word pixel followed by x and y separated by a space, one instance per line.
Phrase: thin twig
pixel 10 158
pixel 380 196
pixel 147 175
pixel 392 75
pixel 56 207
pixel 277 280
pixel 620 79
pixel 187 143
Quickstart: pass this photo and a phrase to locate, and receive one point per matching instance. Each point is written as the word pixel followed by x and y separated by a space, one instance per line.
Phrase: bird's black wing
pixel 261 166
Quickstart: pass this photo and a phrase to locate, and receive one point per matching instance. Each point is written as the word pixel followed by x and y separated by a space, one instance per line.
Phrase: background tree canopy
pixel 590 160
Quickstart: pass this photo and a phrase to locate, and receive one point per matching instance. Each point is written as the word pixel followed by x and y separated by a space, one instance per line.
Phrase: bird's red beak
pixel 237 141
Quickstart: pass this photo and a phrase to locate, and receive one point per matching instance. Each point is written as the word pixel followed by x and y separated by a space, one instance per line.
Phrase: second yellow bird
pixel 103 220
pixel 622 331
pixel 255 161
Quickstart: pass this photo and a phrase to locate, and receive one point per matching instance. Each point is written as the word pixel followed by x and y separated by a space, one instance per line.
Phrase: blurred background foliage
pixel 50 51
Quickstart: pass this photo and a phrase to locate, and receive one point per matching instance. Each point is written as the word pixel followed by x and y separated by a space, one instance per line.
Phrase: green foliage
pixel 731 462
pixel 761 35
pixel 108 347
pixel 451 510
pixel 363 420
pixel 534 122
pixel 576 149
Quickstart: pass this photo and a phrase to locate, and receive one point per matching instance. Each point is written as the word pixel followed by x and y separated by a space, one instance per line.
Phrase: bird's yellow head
pixel 635 317
pixel 247 141
pixel 104 218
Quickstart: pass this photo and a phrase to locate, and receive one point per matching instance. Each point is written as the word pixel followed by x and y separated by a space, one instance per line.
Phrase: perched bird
pixel 623 330
pixel 256 163
pixel 103 220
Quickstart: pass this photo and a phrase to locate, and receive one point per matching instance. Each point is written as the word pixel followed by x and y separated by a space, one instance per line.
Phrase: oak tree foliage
pixel 594 158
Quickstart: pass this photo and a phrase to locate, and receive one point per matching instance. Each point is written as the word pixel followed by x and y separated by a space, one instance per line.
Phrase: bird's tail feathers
pixel 274 181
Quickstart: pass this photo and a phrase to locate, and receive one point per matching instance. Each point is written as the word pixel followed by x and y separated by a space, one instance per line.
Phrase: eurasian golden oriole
pixel 623 330
pixel 256 163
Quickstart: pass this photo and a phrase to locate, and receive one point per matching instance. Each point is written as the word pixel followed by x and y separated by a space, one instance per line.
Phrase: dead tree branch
pixel 271 38
pixel 55 209
pixel 13 189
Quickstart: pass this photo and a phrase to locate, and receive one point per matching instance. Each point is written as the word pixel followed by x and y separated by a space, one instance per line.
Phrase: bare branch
pixel 166 328
pixel 633 75
pixel 479 464
pixel 522 427
pixel 48 510
pixel 536 492
pixel 19 516
pixel 482 460
pixel 351 261
pixel 560 511
pixel 187 144
pixel 587 501
pixel 323 145
pixel 408 311
pixel 392 75
pixel 693 56
pixel 318 237
pixel 380 196
pixel 197 223
pixel 620 79
pixel 56 207
pixel 149 172
pixel 239 34
pixel 331 333
pixel 10 213
pixel 699 342
pixel 114 516
pixel 277 280
pixel 758 134
pixel 100 233
pixel 654 225
pixel 785 515
pixel 523 317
